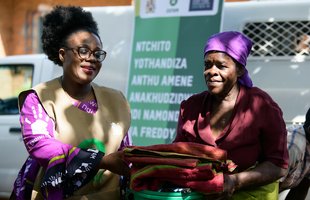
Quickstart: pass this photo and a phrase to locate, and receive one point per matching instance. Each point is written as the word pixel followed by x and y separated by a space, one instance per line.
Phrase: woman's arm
pixel 115 163
pixel 264 173
pixel 63 163
pixel 38 131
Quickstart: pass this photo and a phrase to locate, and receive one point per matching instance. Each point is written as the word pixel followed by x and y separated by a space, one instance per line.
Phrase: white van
pixel 17 73
pixel 280 61
pixel 279 64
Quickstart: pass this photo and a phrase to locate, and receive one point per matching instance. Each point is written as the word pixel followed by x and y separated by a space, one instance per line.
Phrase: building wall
pixel 6 29
pixel 19 19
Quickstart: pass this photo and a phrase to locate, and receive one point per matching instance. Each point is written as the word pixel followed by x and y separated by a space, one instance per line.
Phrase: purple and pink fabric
pixel 236 45
pixel 68 168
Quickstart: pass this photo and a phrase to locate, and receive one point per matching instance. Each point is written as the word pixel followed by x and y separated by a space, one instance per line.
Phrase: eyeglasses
pixel 85 53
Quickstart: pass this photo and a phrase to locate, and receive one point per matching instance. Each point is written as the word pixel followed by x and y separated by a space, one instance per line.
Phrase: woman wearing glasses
pixel 72 128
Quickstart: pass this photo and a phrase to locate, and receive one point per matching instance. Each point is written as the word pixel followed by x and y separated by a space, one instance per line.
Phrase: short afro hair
pixel 59 24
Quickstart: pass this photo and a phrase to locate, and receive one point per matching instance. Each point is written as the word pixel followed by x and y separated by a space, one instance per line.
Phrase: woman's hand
pixel 264 173
pixel 230 182
pixel 115 163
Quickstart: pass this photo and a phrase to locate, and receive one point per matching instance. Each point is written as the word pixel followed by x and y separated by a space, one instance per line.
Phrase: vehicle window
pixel 279 38
pixel 14 79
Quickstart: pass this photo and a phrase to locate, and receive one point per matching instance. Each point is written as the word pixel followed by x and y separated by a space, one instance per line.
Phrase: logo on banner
pixel 175 8
pixel 201 5
pixel 173 2
pixel 150 6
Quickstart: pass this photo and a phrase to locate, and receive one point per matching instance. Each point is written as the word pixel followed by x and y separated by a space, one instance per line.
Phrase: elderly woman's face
pixel 221 73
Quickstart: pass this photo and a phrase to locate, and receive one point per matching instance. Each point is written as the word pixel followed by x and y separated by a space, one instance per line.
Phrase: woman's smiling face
pixel 221 73
pixel 77 69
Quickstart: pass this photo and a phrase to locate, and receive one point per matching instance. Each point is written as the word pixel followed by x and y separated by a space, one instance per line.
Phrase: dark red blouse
pixel 256 131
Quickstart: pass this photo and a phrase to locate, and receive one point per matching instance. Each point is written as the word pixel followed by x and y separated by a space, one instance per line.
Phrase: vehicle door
pixel 14 79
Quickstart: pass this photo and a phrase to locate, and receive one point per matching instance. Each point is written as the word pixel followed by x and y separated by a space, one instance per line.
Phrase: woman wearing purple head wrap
pixel 237 46
pixel 239 118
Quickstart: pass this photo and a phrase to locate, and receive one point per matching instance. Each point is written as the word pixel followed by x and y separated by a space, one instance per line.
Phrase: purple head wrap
pixel 236 45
